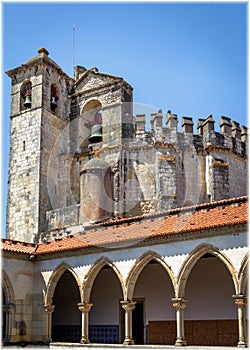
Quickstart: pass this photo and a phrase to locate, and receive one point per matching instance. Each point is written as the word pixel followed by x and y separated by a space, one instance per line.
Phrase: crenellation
pixel 236 131
pixel 208 125
pixel 225 125
pixel 200 126
pixel 156 120
pixel 171 120
pixel 244 138
pixel 140 122
pixel 187 125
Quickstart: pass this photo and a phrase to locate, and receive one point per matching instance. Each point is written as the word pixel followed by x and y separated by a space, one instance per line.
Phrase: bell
pixel 96 133
pixel 27 101
pixel 53 103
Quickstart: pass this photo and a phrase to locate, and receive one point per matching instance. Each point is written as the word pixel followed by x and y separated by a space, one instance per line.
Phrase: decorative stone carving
pixel 84 307
pixel 179 303
pixel 240 300
pixel 49 308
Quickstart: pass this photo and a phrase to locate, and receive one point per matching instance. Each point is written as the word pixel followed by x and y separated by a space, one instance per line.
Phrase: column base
pixel 84 341
pixel 129 341
pixel 180 342
pixel 6 341
pixel 242 344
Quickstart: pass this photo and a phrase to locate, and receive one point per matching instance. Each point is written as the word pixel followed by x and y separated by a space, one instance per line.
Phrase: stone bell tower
pixel 39 113
pixel 101 124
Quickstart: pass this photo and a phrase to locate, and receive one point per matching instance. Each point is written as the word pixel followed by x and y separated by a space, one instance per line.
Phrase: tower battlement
pixel 232 135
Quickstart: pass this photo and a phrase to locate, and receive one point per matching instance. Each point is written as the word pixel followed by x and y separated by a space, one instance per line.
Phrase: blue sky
pixel 188 57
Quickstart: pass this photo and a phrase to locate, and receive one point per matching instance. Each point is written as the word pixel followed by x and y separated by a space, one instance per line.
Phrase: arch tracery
pixel 243 276
pixel 139 266
pixel 192 260
pixel 8 307
pixel 8 289
pixel 55 277
pixel 93 273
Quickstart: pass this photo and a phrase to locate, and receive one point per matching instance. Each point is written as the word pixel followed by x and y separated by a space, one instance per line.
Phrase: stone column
pixel 48 309
pixel 179 304
pixel 85 309
pixel 241 301
pixel 8 310
pixel 128 306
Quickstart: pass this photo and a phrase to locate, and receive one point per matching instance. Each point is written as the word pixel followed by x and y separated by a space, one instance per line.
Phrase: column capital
pixel 179 303
pixel 84 307
pixel 240 300
pixel 49 308
pixel 128 305
pixel 8 308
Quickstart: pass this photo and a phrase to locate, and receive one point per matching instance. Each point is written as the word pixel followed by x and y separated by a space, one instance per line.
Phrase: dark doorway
pixel 138 322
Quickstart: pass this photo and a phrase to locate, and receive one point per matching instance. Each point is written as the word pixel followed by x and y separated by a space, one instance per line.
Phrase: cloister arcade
pixel 203 305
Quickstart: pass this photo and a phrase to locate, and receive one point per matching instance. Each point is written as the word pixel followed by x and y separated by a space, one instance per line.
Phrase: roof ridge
pixel 14 241
pixel 197 207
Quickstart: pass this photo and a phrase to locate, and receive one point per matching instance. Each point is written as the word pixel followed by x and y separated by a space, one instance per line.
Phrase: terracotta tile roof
pixel 130 231
pixel 18 247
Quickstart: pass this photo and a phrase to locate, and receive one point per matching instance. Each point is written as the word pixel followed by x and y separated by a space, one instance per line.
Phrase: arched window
pixel 26 96
pixel 54 97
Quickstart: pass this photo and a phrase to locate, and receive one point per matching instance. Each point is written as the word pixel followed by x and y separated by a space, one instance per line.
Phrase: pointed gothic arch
pixel 139 266
pixel 93 273
pixel 55 277
pixel 8 289
pixel 192 260
pixel 8 308
pixel 243 276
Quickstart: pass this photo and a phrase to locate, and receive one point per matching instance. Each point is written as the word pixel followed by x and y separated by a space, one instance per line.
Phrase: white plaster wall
pixel 155 286
pixel 209 292
pixel 106 295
